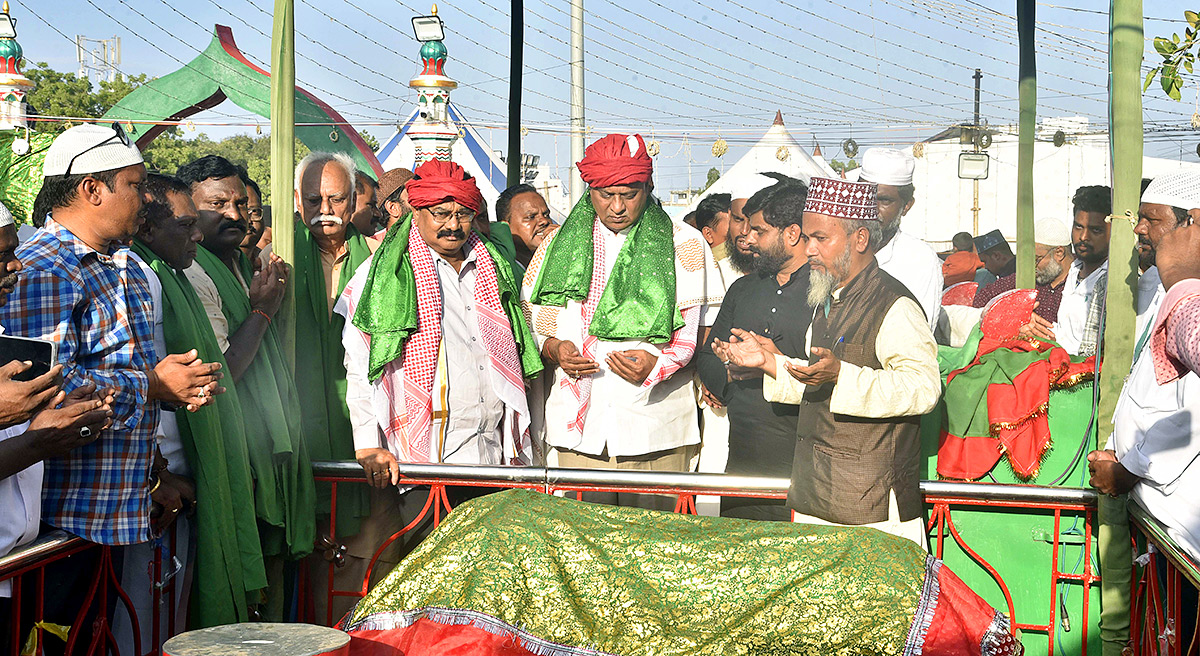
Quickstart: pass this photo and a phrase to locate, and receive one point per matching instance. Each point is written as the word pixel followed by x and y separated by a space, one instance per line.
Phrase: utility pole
pixel 515 58
pixel 576 97
pixel 975 183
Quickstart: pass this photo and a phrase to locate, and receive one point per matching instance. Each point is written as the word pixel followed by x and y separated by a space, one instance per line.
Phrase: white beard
pixel 821 284
pixel 820 287
pixel 324 218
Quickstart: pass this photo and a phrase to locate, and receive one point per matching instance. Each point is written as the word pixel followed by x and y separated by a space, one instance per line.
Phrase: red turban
pixel 437 182
pixel 617 159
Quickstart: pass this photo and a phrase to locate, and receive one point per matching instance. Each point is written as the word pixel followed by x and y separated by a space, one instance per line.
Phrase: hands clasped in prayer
pixel 185 379
pixel 748 355
pixel 634 365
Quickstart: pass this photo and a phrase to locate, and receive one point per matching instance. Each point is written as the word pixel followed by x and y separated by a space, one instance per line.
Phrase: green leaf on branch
pixel 1163 46
pixel 1192 18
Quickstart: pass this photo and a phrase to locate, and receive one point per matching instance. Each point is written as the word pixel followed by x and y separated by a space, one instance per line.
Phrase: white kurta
pixel 468 414
pixel 1073 310
pixel 1156 436
pixel 909 383
pixel 626 419
pixel 20 504
pixel 915 264
pixel 1149 297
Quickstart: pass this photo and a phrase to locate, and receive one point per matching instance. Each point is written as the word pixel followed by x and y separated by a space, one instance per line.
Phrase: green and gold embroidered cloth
pixel 537 574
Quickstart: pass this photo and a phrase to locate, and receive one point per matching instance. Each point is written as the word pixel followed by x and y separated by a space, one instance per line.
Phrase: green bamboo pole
pixel 283 153
pixel 1125 143
pixel 1027 88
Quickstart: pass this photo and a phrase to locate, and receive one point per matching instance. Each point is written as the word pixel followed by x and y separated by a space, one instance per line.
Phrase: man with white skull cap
pixel 81 288
pixel 1154 452
pixel 910 260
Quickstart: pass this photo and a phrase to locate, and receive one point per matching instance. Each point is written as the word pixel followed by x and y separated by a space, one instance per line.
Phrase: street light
pixel 428 28
pixel 8 25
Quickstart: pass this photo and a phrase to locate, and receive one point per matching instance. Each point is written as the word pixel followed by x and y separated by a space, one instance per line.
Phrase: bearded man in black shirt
pixel 770 302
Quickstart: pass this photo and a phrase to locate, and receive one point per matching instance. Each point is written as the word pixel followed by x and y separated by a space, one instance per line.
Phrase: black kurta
pixel 762 435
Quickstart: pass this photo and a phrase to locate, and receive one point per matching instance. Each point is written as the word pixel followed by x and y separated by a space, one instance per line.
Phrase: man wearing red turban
pixel 437 348
pixel 618 296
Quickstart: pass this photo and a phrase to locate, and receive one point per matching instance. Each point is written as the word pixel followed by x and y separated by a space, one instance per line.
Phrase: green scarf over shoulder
pixel 321 368
pixel 639 298
pixel 387 308
pixel 229 561
pixel 284 496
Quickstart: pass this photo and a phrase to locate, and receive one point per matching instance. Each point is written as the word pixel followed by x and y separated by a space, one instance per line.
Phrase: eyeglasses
pixel 442 217
pixel 120 136
pixel 254 213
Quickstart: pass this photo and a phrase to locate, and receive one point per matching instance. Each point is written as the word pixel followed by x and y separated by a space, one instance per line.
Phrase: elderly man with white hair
pixel 908 259
pixel 1154 452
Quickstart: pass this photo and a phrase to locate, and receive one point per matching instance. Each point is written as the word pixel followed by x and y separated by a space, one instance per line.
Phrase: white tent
pixel 470 151
pixel 777 151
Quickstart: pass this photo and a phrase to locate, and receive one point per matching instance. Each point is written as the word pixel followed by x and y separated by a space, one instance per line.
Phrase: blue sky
pixel 884 72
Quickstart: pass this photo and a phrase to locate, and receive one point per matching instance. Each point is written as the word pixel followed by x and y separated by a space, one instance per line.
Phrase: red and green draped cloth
pixel 229 570
pixel 520 573
pixel 321 369
pixel 997 406
pixel 284 497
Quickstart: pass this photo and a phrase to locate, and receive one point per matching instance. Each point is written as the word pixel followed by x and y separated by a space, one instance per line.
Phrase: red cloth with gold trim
pixel 997 406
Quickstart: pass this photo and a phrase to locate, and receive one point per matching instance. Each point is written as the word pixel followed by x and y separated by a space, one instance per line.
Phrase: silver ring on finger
pixel 85 432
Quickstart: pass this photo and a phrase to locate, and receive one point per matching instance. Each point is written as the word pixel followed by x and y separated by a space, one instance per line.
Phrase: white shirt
pixel 472 433
pixel 170 443
pixel 623 418
pixel 20 504
pixel 1072 311
pixel 1149 298
pixel 909 383
pixel 1156 436
pixel 915 264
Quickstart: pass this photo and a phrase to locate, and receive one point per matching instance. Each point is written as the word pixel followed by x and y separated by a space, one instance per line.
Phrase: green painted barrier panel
pixel 1018 543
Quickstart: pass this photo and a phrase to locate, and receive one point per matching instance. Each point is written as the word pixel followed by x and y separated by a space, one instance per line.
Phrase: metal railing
pixel 1157 615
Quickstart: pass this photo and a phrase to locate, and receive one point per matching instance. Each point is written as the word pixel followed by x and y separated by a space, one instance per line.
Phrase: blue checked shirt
pixel 97 308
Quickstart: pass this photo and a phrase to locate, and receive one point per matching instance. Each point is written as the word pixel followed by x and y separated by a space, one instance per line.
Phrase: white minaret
pixel 433 132
pixel 14 86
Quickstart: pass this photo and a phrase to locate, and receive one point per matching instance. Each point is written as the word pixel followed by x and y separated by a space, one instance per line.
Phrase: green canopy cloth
pixel 283 496
pixel 521 573
pixel 321 369
pixel 229 568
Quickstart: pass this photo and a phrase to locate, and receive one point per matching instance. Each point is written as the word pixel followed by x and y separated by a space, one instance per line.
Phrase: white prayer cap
pixel 6 217
pixel 1051 232
pixel 887 166
pixel 1180 189
pixel 90 149
pixel 746 185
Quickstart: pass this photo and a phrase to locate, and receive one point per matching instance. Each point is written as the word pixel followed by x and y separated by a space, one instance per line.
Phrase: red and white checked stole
pixel 582 387
pixel 408 433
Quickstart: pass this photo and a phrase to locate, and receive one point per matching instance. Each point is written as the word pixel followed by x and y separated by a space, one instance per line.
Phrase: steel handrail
pixel 1166 545
pixel 698 483
pixel 53 543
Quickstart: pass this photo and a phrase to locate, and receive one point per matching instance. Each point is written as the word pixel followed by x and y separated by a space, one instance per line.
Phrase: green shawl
pixel 284 496
pixel 638 302
pixel 229 561
pixel 387 308
pixel 321 368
